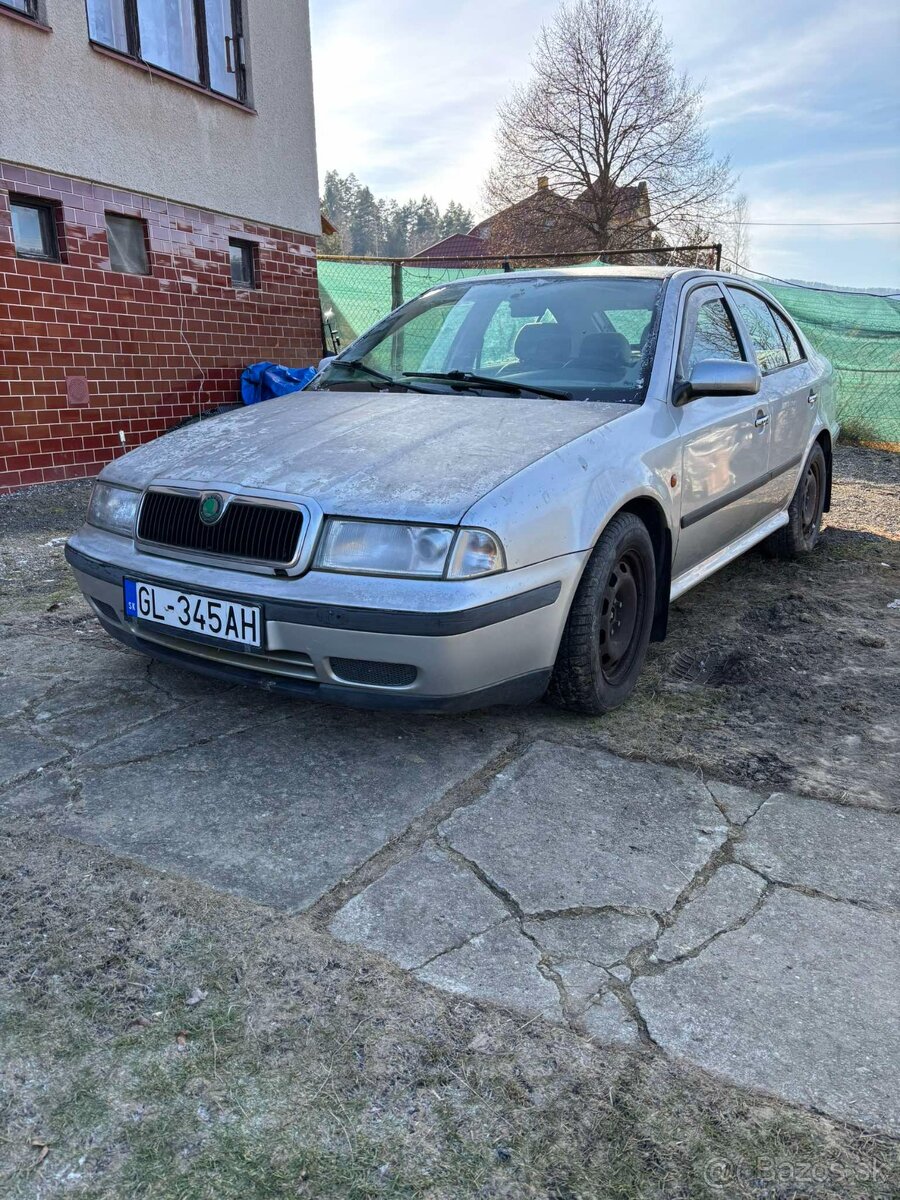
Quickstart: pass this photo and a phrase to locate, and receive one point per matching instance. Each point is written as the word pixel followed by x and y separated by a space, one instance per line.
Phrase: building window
pixel 197 40
pixel 243 263
pixel 34 229
pixel 127 239
pixel 28 8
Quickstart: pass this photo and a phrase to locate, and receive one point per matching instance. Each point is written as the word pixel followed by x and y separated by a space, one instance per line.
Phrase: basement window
pixel 243 263
pixel 200 41
pixel 34 229
pixel 127 237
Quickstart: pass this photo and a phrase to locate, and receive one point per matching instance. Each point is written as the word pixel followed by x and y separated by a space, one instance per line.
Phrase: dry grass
pixel 310 1070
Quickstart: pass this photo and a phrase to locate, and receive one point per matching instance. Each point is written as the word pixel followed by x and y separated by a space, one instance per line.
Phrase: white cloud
pixel 801 95
pixel 406 94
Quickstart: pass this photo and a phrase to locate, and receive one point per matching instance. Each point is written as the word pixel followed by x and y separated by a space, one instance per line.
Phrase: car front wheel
pixel 605 639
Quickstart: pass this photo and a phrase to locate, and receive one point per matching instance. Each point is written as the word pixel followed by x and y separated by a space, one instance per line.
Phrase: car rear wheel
pixel 801 533
pixel 605 639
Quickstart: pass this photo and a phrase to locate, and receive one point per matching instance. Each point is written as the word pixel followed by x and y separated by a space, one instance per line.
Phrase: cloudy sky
pixel 804 97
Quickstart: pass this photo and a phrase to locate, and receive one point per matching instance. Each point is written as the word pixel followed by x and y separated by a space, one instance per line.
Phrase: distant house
pixel 159 211
pixel 545 223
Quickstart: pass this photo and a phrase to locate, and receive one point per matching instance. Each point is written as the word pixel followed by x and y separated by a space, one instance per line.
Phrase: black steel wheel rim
pixel 622 615
pixel 810 499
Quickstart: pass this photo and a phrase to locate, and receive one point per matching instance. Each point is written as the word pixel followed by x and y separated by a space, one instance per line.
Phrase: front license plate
pixel 221 619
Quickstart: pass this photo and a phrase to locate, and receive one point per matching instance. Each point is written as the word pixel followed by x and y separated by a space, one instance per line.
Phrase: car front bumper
pixel 471 643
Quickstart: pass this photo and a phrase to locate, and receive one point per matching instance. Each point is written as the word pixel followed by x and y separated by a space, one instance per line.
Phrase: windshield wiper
pixel 357 365
pixel 470 379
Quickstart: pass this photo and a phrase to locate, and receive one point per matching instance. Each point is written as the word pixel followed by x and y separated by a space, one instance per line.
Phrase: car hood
pixel 402 456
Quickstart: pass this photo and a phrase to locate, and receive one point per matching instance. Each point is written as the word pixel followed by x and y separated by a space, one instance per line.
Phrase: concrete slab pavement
pixel 639 904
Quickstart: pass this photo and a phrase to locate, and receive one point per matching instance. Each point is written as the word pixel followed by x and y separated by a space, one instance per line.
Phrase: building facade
pixel 158 216
pixel 547 223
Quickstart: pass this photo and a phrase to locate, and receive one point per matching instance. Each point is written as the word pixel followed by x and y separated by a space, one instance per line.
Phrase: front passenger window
pixel 713 336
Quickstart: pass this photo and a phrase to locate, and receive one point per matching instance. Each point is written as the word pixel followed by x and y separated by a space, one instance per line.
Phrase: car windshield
pixel 566 337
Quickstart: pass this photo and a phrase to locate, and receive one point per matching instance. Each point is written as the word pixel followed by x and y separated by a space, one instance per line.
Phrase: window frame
pixel 253 248
pixel 792 330
pixel 117 216
pixel 688 294
pixel 49 224
pixel 31 11
pixel 202 83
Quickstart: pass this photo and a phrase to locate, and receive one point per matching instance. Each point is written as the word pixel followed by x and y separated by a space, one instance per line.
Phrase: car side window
pixel 791 343
pixel 760 322
pixel 712 336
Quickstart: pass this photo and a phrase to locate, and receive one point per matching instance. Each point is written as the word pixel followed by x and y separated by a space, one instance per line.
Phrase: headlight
pixel 420 551
pixel 113 508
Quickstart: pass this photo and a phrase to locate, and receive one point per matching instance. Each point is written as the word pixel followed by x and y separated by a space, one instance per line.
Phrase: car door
pixel 788 387
pixel 724 439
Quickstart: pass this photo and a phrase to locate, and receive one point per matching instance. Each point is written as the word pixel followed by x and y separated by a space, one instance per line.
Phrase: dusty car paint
pixel 545 476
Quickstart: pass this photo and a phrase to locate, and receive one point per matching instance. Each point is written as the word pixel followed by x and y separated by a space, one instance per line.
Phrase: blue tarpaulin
pixel 263 380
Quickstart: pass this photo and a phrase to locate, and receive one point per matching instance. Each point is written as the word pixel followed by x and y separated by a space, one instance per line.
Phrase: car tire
pixel 605 639
pixel 805 510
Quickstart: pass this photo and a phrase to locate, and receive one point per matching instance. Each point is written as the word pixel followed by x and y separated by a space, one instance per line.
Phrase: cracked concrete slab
pixel 738 803
pixel 207 717
pixel 581 981
pixel 419 908
pixel 78 726
pixel 501 967
pixel 609 1022
pixel 20 753
pixel 850 853
pixel 802 1002
pixel 282 815
pixel 568 828
pixel 602 938
pixel 725 899
pixel 17 691
pixel 584 949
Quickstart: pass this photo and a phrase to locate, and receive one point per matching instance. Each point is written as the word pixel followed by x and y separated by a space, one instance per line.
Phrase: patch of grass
pixel 309 1070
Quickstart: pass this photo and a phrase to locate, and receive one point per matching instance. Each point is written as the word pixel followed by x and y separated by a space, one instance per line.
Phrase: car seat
pixel 540 346
pixel 603 355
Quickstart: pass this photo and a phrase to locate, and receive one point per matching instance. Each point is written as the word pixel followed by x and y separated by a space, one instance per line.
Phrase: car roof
pixel 600 271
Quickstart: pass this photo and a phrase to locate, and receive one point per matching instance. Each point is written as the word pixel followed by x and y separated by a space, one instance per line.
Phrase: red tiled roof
pixel 458 245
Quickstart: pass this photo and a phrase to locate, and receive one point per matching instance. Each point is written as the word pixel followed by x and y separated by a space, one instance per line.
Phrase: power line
pixel 808 224
pixel 809 287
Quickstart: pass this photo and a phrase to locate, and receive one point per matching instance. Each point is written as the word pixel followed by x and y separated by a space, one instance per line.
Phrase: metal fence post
pixel 396 301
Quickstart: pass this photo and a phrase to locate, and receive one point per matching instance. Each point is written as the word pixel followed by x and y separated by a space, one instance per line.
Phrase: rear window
pixel 760 323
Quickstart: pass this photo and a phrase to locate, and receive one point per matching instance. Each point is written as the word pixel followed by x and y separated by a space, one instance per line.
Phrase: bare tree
pixel 605 112
pixel 736 235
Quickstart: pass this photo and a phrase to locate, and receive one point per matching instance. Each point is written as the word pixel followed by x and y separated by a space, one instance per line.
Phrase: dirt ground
pixel 159 1038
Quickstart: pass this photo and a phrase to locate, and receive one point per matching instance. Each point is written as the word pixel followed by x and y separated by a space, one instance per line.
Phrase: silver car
pixel 495 492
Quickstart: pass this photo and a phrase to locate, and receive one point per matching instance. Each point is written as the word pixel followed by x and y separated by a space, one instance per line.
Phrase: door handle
pixel 762 420
pixel 812 397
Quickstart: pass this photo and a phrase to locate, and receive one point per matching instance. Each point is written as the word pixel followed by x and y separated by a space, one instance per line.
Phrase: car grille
pixel 252 532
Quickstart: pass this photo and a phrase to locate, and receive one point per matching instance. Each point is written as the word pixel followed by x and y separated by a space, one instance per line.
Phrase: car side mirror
pixel 719 377
pixel 326 362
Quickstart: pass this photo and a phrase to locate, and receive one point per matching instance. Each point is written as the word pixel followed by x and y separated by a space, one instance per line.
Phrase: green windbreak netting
pixel 359 294
pixel 859 332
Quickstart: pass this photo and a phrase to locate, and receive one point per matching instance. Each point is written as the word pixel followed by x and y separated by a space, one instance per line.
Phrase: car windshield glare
pixel 571 337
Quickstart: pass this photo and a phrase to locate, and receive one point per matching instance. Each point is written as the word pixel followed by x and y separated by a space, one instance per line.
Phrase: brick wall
pixel 86 351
